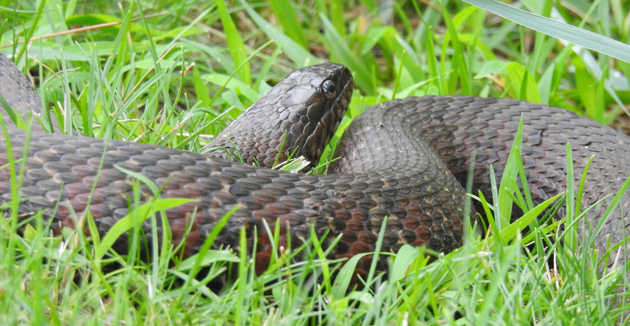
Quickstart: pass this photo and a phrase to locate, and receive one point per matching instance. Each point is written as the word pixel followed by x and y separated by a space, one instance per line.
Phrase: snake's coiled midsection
pixel 403 160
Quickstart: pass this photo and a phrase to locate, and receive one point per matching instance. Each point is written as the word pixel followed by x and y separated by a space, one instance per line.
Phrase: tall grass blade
pixel 575 35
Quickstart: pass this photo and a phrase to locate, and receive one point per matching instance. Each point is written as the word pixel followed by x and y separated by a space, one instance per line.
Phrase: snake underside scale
pixel 403 160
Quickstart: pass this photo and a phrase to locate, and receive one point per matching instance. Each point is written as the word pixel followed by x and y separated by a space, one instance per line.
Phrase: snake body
pixel 404 160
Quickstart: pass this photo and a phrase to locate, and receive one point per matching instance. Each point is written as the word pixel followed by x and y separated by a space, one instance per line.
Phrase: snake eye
pixel 330 88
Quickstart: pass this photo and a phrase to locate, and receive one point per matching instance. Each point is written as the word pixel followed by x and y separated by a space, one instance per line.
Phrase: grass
pixel 173 73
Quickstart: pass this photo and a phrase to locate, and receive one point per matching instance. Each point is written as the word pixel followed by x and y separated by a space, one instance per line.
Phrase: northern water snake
pixel 399 160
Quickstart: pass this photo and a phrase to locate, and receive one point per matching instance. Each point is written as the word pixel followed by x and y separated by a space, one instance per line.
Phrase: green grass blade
pixel 510 171
pixel 292 49
pixel 235 43
pixel 553 28
pixel 135 219
pixel 286 14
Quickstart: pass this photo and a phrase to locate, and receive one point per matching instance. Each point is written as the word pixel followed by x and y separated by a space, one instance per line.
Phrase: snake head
pixel 297 117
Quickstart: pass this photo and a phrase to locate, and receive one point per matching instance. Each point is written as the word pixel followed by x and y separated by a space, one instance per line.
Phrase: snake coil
pixel 403 160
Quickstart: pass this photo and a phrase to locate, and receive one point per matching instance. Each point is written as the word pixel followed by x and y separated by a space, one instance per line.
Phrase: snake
pixel 402 164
